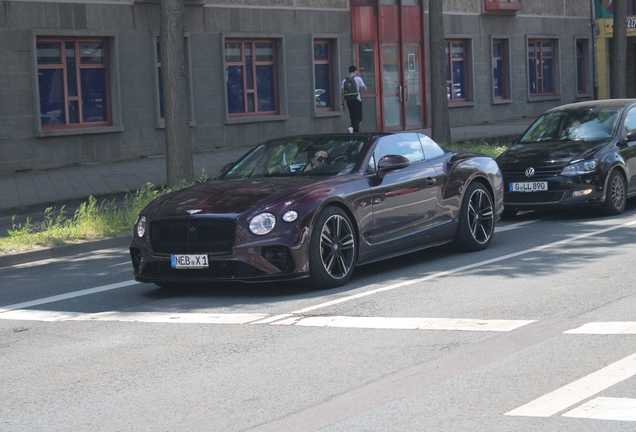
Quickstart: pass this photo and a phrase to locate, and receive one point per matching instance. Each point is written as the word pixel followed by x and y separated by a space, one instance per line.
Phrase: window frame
pixel 246 114
pixel 583 62
pixel 111 68
pixel 540 42
pixel 158 102
pixel 333 96
pixel 466 72
pixel 505 66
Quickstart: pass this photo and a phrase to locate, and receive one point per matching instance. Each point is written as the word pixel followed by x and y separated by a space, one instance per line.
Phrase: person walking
pixel 351 87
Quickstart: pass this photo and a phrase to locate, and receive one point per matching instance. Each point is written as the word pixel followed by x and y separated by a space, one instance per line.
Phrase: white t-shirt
pixel 359 83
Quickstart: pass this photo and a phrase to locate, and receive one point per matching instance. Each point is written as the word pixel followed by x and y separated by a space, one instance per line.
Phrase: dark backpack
pixel 350 88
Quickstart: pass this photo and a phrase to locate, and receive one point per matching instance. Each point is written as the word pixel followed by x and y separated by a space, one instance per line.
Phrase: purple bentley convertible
pixel 314 207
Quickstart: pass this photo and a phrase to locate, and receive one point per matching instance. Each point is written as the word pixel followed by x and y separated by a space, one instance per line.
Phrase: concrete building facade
pixel 81 79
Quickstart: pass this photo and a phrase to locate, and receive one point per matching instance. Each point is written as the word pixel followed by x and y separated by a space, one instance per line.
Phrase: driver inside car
pixel 319 159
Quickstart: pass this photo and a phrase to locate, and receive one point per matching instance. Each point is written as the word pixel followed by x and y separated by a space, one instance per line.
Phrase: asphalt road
pixel 538 332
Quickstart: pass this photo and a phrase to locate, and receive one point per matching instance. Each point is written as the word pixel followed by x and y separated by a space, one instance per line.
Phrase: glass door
pixel 400 50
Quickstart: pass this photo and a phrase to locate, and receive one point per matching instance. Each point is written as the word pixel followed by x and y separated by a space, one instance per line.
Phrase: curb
pixel 64 250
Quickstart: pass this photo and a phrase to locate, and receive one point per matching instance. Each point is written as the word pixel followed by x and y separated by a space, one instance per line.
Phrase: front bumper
pixel 563 192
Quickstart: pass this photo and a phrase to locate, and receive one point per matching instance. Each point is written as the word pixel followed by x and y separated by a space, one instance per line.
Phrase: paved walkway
pixel 30 192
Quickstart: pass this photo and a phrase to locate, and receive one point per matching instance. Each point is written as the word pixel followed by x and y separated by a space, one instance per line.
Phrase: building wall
pixel 133 27
pixel 561 20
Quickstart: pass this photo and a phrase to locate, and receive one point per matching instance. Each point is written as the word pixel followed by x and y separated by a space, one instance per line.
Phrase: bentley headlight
pixel 579 168
pixel 262 223
pixel 141 226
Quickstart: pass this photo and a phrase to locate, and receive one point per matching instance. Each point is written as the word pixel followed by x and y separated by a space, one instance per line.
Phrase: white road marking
pixel 262 318
pixel 405 323
pixel 459 269
pixel 147 317
pixel 66 296
pixel 605 408
pixel 120 264
pixel 581 389
pixel 605 328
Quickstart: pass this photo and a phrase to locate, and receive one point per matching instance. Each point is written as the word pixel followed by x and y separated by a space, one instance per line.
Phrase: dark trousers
pixel 355 113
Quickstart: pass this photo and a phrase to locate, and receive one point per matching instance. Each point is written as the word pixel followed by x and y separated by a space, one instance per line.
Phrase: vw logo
pixel 199 210
pixel 529 172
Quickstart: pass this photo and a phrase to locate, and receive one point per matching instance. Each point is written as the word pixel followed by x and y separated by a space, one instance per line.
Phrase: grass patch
pixel 90 221
pixel 108 219
pixel 481 147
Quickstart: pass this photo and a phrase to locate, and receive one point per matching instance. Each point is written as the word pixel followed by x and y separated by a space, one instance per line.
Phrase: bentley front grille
pixel 193 236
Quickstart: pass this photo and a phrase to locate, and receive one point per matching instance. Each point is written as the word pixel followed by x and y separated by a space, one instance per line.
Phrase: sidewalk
pixel 29 194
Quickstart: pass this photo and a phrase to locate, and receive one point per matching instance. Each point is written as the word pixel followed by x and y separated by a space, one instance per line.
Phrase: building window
pixel 541 67
pixel 499 72
pixel 581 63
pixel 502 5
pixel 323 75
pixel 251 77
pixel 73 82
pixel 456 59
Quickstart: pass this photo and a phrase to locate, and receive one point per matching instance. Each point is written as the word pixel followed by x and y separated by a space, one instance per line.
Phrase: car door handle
pixel 431 181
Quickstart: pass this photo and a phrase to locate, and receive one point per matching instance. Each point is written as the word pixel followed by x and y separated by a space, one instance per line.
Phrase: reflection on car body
pixel 269 218
pixel 581 154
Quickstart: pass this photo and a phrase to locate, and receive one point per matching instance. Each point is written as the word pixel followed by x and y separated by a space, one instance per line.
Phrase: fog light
pixel 582 192
pixel 273 255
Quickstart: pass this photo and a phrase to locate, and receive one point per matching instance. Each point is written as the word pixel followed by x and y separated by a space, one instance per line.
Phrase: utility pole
pixel 618 60
pixel 179 165
pixel 440 121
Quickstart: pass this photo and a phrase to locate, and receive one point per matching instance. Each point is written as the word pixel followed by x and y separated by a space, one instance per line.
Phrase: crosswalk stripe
pixel 573 393
pixel 606 408
pixel 605 328
pixel 405 323
pixel 263 318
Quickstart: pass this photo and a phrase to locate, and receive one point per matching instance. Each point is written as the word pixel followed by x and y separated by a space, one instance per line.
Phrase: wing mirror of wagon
pixel 390 163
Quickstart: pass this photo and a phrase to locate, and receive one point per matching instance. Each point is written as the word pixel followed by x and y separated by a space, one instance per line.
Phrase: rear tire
pixel 476 219
pixel 332 249
pixel 615 195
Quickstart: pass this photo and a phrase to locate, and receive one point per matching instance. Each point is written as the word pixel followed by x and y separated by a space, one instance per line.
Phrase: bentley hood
pixel 228 197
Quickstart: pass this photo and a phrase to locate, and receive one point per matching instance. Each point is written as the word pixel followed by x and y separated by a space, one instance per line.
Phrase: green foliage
pixel 480 147
pixel 90 221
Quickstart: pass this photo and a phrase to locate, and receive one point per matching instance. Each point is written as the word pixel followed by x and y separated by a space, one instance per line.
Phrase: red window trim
pixel 329 62
pixel 449 46
pixel 78 66
pixel 502 5
pixel 254 91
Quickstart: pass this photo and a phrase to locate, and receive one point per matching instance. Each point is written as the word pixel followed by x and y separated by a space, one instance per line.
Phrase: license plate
pixel 189 261
pixel 529 187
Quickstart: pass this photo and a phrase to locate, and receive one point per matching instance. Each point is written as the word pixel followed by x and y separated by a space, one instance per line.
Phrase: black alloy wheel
pixel 615 195
pixel 332 251
pixel 476 219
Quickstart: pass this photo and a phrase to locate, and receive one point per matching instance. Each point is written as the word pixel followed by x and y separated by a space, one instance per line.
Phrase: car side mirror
pixel 225 168
pixel 631 137
pixel 390 163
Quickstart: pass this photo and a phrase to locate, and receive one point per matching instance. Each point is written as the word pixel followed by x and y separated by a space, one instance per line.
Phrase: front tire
pixel 332 249
pixel 615 195
pixel 476 219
